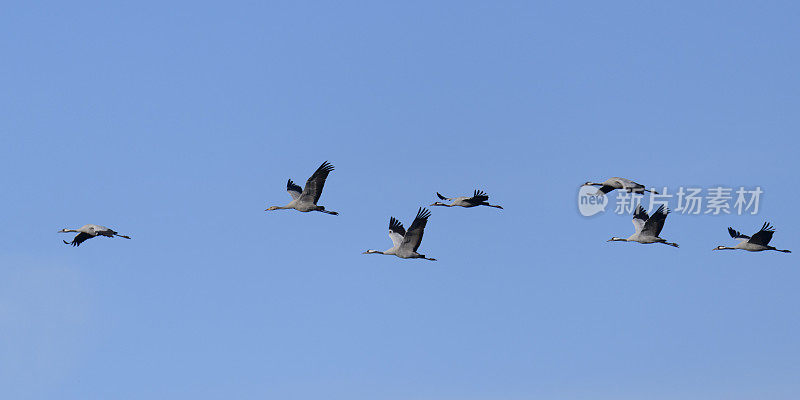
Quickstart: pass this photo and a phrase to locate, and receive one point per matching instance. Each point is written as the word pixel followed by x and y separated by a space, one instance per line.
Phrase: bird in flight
pixel 305 199
pixel 479 198
pixel 89 231
pixel 758 242
pixel 405 243
pixel 647 227
pixel 618 183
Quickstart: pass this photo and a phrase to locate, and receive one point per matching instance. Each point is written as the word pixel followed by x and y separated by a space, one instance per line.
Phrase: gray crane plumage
pixel 618 183
pixel 478 198
pixel 647 227
pixel 405 243
pixel 305 199
pixel 89 231
pixel 758 242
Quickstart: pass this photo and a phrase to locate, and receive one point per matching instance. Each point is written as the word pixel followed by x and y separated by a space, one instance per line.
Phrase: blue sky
pixel 178 123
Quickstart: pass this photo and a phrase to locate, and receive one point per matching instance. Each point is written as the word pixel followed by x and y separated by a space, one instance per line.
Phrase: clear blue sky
pixel 178 123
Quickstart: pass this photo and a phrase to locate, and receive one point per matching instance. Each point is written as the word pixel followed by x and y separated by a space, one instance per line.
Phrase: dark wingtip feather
pixel 290 185
pixel 736 234
pixel 440 196
pixel 480 195
pixel 396 226
pixel 423 213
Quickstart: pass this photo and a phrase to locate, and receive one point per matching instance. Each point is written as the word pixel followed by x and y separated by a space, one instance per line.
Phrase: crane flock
pixel 405 243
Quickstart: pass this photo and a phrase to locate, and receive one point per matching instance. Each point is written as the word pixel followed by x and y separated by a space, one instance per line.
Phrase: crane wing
pixel 294 190
pixel 315 183
pixel 413 236
pixel 655 223
pixel 763 236
pixel 478 197
pixel 632 186
pixel 79 238
pixel 442 197
pixel 619 183
pixel 605 189
pixel 736 234
pixel 106 232
pixel 639 218
pixel 396 232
